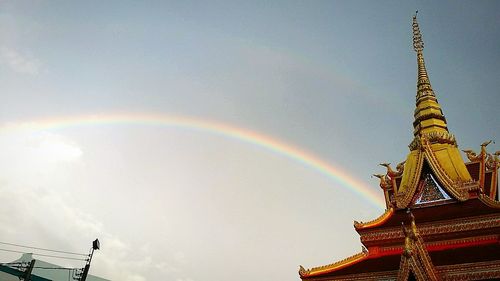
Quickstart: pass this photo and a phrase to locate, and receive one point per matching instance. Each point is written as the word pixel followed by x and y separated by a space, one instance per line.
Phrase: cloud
pixel 153 218
pixel 38 208
pixel 31 157
pixel 18 62
pixel 46 212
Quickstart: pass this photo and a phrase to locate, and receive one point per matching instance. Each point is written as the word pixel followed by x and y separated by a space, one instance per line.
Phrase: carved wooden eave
pixel 376 222
pixel 334 266
pixel 448 227
pixel 473 271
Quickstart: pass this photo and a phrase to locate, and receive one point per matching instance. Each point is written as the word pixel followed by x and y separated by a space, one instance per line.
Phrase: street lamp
pixel 96 245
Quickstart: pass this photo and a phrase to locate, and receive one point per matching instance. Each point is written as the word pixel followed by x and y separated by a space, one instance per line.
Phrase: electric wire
pixel 7 263
pixel 64 268
pixel 43 249
pixel 21 265
pixel 44 255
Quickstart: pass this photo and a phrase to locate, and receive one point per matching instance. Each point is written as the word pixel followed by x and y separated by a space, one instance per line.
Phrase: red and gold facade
pixel 442 220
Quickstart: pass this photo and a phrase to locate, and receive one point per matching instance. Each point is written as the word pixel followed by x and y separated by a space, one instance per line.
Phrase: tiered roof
pixel 454 203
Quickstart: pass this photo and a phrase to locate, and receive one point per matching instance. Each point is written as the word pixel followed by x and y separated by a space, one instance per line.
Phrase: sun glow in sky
pixel 292 106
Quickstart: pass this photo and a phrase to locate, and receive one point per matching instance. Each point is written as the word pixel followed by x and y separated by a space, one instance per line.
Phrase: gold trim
pixel 334 266
pixel 451 186
pixel 458 189
pixel 488 270
pixel 403 199
pixel 415 257
pixel 488 201
pixel 378 221
pixel 431 228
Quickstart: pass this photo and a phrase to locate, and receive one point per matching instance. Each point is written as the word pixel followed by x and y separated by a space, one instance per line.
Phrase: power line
pixel 14 264
pixel 12 251
pixel 43 249
pixel 64 268
pixel 44 255
pixel 24 264
pixel 59 257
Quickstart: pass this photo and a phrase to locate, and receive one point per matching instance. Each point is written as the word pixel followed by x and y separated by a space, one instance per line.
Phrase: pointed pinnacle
pixel 418 43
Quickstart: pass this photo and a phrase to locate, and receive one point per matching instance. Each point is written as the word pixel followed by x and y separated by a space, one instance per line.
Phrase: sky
pixel 222 140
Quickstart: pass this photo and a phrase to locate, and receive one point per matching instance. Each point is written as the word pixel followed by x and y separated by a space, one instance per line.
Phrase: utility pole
pixel 96 245
pixel 27 274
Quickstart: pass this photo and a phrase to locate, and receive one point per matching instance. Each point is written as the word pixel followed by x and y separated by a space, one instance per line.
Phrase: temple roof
pixel 454 203
pixel 376 222
pixel 320 270
pixel 426 259
pixel 389 264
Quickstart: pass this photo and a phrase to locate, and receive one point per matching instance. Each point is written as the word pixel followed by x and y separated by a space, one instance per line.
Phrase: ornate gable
pixel 430 192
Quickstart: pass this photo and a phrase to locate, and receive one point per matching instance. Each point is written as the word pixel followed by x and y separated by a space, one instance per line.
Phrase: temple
pixel 442 218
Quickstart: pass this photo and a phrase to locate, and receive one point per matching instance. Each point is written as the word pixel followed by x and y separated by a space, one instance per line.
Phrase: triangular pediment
pixel 430 192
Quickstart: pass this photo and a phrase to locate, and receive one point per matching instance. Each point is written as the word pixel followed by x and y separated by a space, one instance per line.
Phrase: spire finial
pixel 418 43
pixel 428 114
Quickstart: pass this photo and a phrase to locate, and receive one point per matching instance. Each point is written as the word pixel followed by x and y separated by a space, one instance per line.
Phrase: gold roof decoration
pixel 489 201
pixel 488 165
pixel 390 172
pixel 376 222
pixel 433 144
pixel 428 114
pixel 415 257
pixel 334 266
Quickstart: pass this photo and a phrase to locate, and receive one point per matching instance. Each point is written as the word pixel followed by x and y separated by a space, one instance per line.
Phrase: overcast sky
pixel 334 79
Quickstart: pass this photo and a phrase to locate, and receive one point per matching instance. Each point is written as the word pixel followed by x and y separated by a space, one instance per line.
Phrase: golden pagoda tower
pixel 442 220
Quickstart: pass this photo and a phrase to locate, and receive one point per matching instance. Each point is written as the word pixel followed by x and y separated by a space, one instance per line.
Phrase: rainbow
pixel 272 144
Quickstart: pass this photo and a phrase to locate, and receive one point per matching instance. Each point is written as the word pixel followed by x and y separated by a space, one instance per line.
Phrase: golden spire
pixel 432 145
pixel 423 84
pixel 429 117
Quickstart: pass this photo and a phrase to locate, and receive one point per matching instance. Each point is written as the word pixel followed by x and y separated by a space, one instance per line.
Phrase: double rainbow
pixel 212 127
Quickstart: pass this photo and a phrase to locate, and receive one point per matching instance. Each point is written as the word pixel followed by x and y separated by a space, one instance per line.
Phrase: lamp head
pixel 96 245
